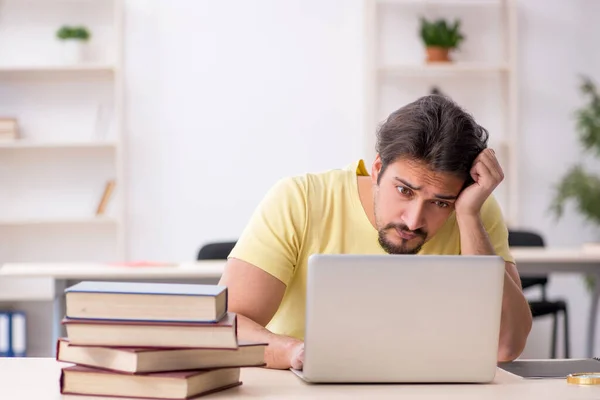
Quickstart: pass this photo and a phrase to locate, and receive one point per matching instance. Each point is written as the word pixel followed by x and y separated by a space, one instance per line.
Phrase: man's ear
pixel 376 169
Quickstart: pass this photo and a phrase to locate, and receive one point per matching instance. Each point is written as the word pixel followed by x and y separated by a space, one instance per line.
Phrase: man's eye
pixel 441 204
pixel 404 191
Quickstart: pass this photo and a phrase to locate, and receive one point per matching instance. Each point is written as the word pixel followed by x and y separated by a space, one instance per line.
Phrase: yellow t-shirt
pixel 322 213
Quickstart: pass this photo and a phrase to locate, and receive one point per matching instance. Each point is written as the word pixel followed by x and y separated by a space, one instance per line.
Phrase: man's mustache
pixel 402 227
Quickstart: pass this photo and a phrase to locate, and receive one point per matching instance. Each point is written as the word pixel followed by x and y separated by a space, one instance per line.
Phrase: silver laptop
pixel 402 318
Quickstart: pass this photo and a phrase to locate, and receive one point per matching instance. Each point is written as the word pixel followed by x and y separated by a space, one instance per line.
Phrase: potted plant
pixel 579 185
pixel 74 39
pixel 439 37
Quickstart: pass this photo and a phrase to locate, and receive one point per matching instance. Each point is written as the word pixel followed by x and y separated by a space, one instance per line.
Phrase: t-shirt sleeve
pixel 493 221
pixel 273 237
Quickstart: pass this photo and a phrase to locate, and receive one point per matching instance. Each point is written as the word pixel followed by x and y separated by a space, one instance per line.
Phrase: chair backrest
pixel 528 239
pixel 215 251
pixel 525 239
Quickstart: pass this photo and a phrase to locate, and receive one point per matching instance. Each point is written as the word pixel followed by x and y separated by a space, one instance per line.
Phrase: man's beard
pixel 402 248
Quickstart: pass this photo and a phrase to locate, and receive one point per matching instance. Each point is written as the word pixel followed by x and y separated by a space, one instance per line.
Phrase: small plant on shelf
pixel 439 37
pixel 73 33
pixel 74 39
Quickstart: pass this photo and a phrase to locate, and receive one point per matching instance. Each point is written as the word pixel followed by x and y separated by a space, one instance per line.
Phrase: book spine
pixel 5 333
pixel 61 381
pixel 57 350
pixel 110 185
pixel 235 324
pixel 18 334
pixel 226 290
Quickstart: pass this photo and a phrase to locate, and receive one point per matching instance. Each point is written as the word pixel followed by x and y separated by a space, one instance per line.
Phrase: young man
pixel 429 192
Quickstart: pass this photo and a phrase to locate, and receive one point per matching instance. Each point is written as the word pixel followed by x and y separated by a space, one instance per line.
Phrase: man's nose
pixel 413 216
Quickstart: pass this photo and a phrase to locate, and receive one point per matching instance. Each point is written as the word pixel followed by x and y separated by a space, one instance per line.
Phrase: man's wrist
pixel 468 218
pixel 289 345
pixel 473 236
pixel 279 351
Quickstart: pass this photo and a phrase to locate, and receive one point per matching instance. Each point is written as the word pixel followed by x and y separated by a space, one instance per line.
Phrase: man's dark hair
pixel 434 130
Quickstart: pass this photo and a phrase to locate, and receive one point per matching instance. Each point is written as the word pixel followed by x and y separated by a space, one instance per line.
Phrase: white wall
pixel 224 98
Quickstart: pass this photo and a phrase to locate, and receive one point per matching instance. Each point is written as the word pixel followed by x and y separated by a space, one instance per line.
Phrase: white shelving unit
pixel 453 3
pixel 53 69
pixel 33 144
pixel 58 221
pixel 454 69
pixel 482 77
pixel 70 144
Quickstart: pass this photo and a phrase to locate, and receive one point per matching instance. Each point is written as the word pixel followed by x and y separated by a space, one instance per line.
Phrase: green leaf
pixel 588 117
pixel 73 32
pixel 440 33
pixel 578 186
pixel 581 188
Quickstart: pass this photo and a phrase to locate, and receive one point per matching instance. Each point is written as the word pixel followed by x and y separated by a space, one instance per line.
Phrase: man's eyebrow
pixel 408 185
pixel 437 196
pixel 445 197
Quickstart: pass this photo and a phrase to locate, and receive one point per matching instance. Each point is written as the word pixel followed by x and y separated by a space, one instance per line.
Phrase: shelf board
pixel 57 68
pixel 443 68
pixel 58 221
pixel 449 3
pixel 31 144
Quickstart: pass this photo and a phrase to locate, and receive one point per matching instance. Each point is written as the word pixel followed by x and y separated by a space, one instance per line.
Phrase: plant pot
pixel 438 54
pixel 73 51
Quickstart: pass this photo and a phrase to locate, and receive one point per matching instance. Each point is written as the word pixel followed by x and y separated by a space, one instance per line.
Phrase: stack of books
pixel 151 340
pixel 8 129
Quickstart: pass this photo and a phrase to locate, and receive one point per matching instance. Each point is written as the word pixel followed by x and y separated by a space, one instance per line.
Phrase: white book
pixel 18 334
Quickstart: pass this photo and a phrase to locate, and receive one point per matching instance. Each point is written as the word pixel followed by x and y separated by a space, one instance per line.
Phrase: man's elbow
pixel 509 353
pixel 511 349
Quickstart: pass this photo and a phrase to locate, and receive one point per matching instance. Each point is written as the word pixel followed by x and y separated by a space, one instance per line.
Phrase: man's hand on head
pixel 487 175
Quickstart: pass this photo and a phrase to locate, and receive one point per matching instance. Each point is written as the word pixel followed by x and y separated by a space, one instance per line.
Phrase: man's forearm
pixel 474 239
pixel 516 315
pixel 515 323
pixel 278 352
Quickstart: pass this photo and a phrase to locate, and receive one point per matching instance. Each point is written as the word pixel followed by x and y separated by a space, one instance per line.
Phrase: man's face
pixel 411 203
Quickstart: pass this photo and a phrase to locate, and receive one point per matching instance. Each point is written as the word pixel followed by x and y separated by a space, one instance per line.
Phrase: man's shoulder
pixel 318 182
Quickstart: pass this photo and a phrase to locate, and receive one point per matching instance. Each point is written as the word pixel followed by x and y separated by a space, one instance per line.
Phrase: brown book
pixel 88 332
pixel 8 129
pixel 8 124
pixel 146 301
pixel 163 385
pixel 141 360
pixel 108 190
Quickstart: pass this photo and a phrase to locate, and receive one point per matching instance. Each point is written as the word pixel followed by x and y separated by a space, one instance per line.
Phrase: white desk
pixel 37 379
pixel 539 261
pixel 530 261
pixel 204 270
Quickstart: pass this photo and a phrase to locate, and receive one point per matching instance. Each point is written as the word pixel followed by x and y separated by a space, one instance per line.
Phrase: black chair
pixel 215 251
pixel 543 306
